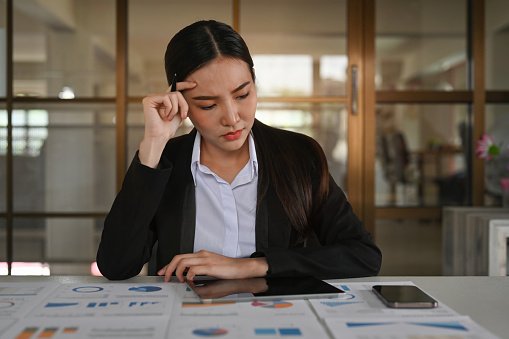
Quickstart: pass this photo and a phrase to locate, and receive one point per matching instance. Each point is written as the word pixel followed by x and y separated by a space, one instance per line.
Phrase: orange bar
pixel 48 332
pixel 27 333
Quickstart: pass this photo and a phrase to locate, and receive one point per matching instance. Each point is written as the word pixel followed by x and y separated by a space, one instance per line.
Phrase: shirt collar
pixel 195 157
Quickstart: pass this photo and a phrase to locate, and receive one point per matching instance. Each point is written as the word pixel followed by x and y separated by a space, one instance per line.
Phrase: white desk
pixel 484 299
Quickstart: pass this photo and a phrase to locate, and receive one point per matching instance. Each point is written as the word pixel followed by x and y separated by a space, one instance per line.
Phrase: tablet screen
pixel 232 290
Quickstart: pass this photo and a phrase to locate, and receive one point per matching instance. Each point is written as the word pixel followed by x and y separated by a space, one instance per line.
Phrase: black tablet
pixel 233 290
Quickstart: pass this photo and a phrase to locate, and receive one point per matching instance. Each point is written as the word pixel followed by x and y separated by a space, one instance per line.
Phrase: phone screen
pixel 404 296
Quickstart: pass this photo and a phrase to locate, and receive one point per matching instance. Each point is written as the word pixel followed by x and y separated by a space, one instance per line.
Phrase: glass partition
pixel 3 49
pixel 497 167
pixel 152 23
pixel 3 158
pixel 421 45
pixel 63 157
pixel 421 155
pixel 295 54
pixel 3 245
pixel 326 123
pixel 65 246
pixel 64 49
pixel 497 45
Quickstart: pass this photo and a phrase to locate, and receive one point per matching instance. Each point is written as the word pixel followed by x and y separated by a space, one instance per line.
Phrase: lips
pixel 233 135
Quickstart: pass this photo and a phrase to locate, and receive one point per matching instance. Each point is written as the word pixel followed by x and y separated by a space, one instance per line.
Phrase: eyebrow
pixel 215 97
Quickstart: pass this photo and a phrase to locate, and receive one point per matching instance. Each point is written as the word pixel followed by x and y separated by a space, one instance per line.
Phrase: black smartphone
pixel 404 296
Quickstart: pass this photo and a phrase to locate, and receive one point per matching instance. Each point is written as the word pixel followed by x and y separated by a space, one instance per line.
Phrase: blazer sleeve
pixel 128 236
pixel 345 249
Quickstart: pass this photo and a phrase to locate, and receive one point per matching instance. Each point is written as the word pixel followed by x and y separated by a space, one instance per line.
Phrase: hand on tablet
pixel 214 265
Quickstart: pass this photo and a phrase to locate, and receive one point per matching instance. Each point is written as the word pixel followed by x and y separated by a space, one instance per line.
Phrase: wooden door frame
pixel 361 126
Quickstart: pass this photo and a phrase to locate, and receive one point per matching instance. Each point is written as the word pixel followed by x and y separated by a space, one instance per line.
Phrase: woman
pixel 234 198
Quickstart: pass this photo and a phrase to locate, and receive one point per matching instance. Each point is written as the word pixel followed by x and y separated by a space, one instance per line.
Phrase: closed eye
pixel 243 96
pixel 207 108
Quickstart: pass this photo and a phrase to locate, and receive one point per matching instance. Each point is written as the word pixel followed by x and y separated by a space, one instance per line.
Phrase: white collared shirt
pixel 225 213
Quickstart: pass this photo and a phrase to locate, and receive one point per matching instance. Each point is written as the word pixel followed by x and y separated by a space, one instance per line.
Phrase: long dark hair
pixel 201 42
pixel 290 172
pixel 298 173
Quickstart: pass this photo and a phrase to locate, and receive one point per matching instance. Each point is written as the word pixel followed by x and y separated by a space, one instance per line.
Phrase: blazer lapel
pixel 188 219
pixel 185 183
pixel 262 226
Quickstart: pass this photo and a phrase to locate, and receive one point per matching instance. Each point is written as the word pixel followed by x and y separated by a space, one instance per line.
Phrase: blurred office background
pixel 396 91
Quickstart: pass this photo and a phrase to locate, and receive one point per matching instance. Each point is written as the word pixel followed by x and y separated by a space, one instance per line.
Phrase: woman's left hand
pixel 214 265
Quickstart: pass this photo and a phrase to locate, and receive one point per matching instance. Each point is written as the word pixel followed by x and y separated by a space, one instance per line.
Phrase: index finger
pixel 172 266
pixel 183 86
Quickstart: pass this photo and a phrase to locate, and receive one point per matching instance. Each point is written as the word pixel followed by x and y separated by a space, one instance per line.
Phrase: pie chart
pixel 272 304
pixel 87 289
pixel 145 289
pixel 210 332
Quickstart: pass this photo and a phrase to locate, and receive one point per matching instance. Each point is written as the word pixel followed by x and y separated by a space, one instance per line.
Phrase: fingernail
pixel 185 115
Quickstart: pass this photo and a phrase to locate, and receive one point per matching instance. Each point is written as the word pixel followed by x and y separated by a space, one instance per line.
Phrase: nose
pixel 230 114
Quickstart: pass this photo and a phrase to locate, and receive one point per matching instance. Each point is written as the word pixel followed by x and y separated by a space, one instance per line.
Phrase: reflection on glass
pixel 63 47
pixel 497 126
pixel 63 157
pixel 66 246
pixel 497 45
pixel 152 23
pixel 421 45
pixel 295 54
pixel 420 155
pixel 326 123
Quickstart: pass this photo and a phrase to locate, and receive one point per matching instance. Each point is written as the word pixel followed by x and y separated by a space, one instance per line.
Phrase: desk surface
pixel 484 299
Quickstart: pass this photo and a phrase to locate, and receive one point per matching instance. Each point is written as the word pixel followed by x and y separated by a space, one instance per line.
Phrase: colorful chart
pixel 333 304
pixel 47 332
pixel 60 304
pixel 87 289
pixel 210 332
pixel 27 333
pixel 282 331
pixel 272 304
pixel 145 289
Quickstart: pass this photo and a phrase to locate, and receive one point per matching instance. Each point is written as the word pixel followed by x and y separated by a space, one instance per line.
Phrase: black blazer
pixel 159 205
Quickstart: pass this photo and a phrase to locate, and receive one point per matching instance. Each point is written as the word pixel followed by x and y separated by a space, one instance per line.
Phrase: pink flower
pixel 486 148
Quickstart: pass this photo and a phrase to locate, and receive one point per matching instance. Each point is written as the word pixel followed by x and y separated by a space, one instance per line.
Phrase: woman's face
pixel 222 106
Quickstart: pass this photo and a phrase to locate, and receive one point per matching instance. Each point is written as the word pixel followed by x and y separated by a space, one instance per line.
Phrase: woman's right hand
pixel 163 115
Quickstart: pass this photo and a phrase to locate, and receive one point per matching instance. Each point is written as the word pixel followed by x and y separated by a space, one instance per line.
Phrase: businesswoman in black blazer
pixel 234 198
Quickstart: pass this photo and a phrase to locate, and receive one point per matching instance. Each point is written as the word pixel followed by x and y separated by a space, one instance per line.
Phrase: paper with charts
pixel 108 300
pixel 448 327
pixel 17 299
pixel 172 310
pixel 80 328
